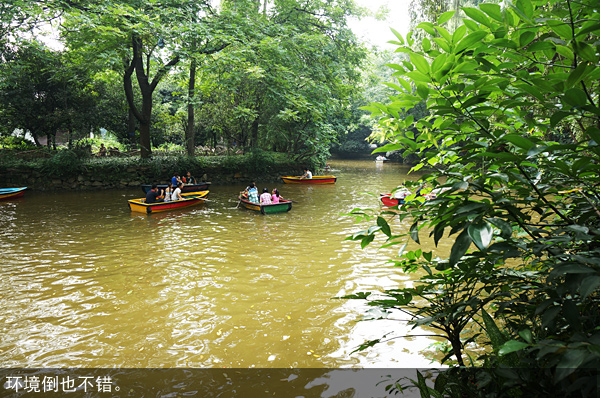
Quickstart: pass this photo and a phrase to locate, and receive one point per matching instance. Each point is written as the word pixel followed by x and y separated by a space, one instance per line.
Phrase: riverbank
pixel 66 171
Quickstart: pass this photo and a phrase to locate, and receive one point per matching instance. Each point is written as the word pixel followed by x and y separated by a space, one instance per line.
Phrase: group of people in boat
pixel 251 195
pixel 172 191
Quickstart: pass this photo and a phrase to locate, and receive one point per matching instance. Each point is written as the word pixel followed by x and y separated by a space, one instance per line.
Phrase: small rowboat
pixel 281 207
pixel 190 199
pixel 399 197
pixel 201 186
pixel 388 200
pixel 314 180
pixel 11 193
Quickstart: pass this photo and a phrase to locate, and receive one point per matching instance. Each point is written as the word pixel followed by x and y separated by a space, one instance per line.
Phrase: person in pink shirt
pixel 275 196
pixel 265 197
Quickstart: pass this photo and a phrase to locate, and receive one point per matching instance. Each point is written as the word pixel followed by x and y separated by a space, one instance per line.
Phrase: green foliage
pixel 512 134
pixel 19 143
pixel 64 163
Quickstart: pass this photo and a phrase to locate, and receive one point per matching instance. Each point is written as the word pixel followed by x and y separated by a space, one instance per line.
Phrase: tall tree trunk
pixel 254 133
pixel 146 89
pixel 131 128
pixel 189 132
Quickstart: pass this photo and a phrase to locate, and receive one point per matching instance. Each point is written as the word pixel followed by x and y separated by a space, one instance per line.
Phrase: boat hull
pixel 282 207
pixel 316 180
pixel 202 186
pixel 12 193
pixel 190 199
pixel 389 201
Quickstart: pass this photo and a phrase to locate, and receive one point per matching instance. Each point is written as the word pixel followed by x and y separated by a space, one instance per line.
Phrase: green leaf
pixel 481 234
pixel 505 228
pixel 469 40
pixel 593 133
pixel 519 141
pixel 395 87
pixel 414 232
pixel 388 148
pixel 512 346
pixel 460 247
pixel 589 285
pixel 438 62
pixel 445 17
pixel 493 10
pixel 458 34
pixel 423 91
pixel 525 7
pixel 366 241
pixel 526 335
pixel 405 84
pixel 398 35
pixel 565 52
pixel 427 27
pixel 492 330
pixel 586 52
pixel 385 227
pixel 562 29
pixel 420 63
pixel 476 15
pixel 575 97
pixel 557 117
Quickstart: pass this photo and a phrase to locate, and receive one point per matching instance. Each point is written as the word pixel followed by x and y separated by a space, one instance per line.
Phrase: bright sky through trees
pixel 378 32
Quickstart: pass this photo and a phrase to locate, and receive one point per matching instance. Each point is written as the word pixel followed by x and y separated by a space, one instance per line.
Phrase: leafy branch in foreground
pixel 513 133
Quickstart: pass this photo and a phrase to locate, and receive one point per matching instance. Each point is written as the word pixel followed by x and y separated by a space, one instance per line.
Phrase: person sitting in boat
pixel 265 198
pixel 401 193
pixel 168 192
pixel 175 179
pixel 154 195
pixel 189 179
pixel 275 196
pixel 253 194
pixel 307 174
pixel 176 195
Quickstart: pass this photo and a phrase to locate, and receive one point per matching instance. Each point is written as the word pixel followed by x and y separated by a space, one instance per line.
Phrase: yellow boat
pixel 190 199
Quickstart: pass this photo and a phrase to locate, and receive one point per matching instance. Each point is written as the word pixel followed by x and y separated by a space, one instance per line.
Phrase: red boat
pixel 313 180
pixel 398 197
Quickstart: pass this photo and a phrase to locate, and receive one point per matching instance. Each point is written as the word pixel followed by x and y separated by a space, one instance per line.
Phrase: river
pixel 87 283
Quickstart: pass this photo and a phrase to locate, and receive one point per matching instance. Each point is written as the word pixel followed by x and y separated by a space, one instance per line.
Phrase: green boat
pixel 283 206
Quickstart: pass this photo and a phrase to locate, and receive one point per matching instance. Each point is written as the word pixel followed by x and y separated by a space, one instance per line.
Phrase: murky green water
pixel 86 283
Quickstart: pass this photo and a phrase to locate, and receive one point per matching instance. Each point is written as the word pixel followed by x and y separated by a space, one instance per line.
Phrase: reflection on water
pixel 87 283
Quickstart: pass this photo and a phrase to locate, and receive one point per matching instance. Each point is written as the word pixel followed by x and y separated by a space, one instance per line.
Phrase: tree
pixel 513 134
pixel 144 38
pixel 42 92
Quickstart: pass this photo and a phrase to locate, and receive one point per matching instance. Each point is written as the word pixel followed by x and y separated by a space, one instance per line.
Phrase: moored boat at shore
pixel 189 199
pixel 11 193
pixel 283 206
pixel 314 180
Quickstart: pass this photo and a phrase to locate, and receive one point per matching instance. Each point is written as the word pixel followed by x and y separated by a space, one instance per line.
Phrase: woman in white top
pixel 168 192
pixel 176 195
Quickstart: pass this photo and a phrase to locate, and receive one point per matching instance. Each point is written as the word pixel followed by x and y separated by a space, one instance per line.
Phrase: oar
pixel 188 196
